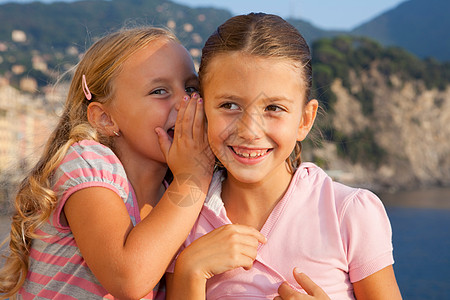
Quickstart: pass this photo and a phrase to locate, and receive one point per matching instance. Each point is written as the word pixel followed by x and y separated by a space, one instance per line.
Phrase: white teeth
pixel 252 155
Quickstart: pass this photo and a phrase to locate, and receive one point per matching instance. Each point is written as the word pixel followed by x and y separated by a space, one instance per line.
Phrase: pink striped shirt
pixel 57 269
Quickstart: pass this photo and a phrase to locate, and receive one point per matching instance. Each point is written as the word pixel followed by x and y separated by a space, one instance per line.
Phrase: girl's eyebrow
pixel 153 83
pixel 228 97
pixel 158 80
pixel 262 97
pixel 278 98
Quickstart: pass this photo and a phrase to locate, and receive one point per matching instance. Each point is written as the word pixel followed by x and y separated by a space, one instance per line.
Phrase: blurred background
pixel 381 73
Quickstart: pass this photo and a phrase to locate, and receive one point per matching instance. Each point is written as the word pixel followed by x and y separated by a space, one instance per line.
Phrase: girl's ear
pixel 100 119
pixel 307 121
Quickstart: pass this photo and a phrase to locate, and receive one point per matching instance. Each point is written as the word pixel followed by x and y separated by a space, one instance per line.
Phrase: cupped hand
pixel 189 152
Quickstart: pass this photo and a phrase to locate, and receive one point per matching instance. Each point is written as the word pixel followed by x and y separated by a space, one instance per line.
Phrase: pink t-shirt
pixel 333 233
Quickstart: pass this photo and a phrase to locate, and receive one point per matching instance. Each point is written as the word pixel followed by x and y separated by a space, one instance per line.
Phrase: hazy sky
pixel 326 14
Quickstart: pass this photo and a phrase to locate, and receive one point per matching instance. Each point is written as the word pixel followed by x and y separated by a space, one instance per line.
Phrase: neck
pixel 146 176
pixel 251 204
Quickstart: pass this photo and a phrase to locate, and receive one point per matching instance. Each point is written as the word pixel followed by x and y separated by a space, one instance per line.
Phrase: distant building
pixel 28 84
pixel 188 27
pixel 39 63
pixel 25 124
pixel 18 36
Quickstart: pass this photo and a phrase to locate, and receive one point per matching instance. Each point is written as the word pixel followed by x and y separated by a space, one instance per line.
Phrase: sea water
pixel 421 239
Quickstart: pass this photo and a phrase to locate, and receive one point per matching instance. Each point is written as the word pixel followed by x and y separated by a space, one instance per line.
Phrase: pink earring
pixel 86 90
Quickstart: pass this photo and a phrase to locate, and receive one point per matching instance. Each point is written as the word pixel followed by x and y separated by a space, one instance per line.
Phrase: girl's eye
pixel 273 108
pixel 190 89
pixel 230 106
pixel 158 92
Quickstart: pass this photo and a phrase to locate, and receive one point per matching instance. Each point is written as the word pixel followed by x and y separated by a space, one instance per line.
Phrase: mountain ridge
pixel 420 26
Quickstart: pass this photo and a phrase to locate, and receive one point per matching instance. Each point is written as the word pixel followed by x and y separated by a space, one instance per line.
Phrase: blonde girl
pixel 267 212
pixel 95 218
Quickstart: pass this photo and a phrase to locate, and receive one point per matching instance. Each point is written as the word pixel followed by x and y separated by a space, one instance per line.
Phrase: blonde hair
pixel 262 35
pixel 35 199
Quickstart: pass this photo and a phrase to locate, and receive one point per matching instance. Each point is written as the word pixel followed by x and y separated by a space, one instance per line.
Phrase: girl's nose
pixel 250 125
pixel 178 97
pixel 177 106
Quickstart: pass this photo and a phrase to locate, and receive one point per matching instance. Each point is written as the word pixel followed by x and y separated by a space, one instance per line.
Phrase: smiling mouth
pixel 249 153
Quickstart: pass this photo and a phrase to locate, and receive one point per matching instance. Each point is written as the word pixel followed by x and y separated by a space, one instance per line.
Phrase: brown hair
pixel 36 200
pixel 262 35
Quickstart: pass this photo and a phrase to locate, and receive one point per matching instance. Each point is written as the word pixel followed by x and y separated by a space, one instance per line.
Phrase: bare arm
pixel 129 261
pixel 378 286
pixel 194 288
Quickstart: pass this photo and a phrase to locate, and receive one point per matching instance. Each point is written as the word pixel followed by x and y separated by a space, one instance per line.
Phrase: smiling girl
pixel 266 211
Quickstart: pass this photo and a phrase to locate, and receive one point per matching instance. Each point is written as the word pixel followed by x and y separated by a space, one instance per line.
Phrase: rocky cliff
pixel 407 123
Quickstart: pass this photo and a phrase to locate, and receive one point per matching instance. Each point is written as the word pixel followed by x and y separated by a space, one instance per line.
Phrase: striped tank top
pixel 57 269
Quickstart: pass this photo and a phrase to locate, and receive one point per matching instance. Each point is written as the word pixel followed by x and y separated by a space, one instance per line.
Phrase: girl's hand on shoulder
pixel 286 292
pixel 189 152
pixel 223 249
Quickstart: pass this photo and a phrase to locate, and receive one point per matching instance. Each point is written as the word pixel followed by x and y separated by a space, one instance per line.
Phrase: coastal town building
pixel 26 121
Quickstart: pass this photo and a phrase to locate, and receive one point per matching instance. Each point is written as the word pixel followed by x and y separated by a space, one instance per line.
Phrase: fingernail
pixel 200 100
pixel 195 95
pixel 186 98
pixel 297 270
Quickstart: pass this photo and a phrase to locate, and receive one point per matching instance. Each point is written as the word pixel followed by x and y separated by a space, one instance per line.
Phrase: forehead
pixel 161 60
pixel 159 52
pixel 241 72
pixel 243 61
pixel 250 77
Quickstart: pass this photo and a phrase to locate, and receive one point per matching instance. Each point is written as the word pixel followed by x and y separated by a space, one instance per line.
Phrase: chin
pixel 246 177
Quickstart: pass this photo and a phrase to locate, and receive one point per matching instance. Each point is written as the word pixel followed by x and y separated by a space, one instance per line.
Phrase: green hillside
pixel 50 37
pixel 57 33
pixel 59 24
